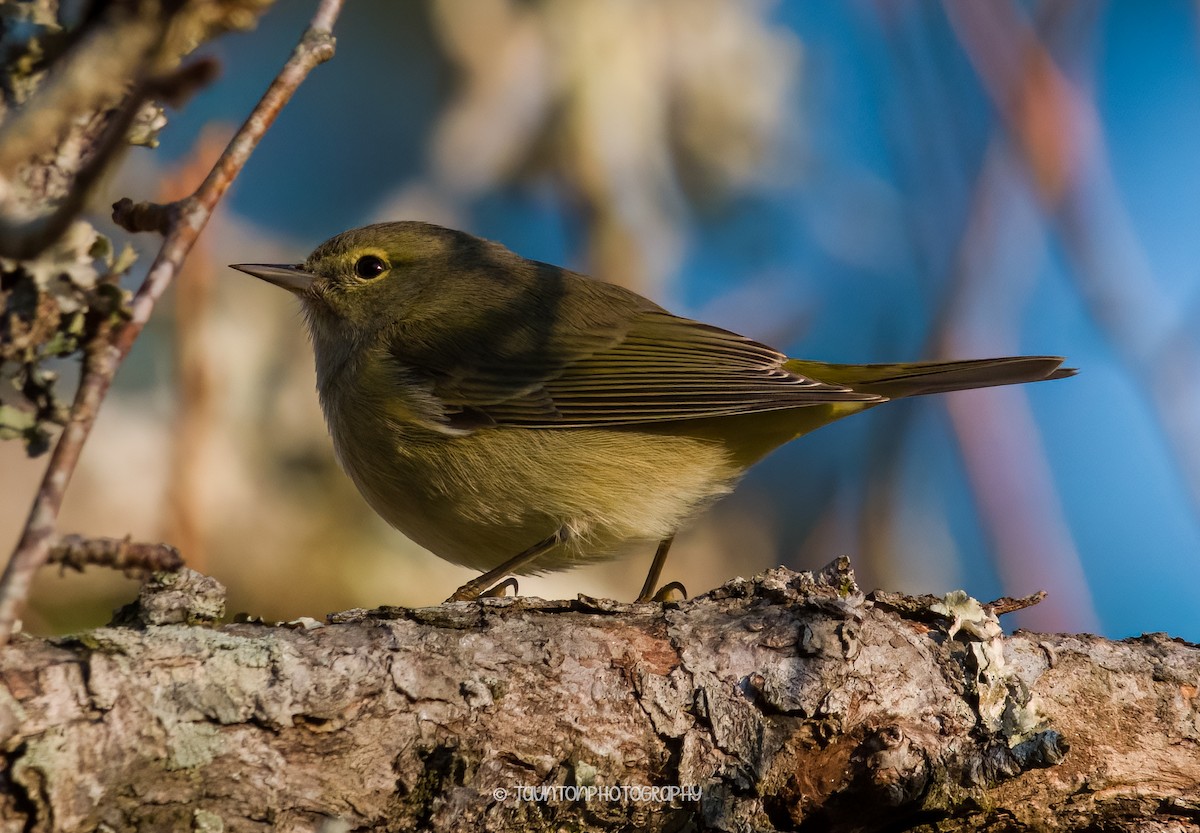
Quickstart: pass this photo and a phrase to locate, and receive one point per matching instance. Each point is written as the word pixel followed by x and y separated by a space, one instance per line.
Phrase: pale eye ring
pixel 369 266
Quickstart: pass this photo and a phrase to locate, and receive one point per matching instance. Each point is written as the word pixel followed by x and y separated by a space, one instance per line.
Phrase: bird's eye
pixel 369 266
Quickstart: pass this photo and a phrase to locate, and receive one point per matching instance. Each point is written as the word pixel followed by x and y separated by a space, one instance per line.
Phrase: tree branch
pixel 108 350
pixel 75 552
pixel 787 702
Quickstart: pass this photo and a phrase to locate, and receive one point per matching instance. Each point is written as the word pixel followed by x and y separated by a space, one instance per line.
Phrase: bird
pixel 517 417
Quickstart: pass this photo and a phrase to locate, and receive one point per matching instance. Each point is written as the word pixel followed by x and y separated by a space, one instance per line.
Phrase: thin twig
pixel 1007 604
pixel 105 354
pixel 125 554
pixel 920 608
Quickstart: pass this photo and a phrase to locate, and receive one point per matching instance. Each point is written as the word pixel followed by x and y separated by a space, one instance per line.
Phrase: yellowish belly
pixel 479 499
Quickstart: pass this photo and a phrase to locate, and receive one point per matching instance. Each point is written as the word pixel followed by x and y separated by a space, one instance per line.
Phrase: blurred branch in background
pixel 636 110
pixel 1051 116
pixel 1003 248
pixel 196 383
pixel 1044 171
pixel 1013 486
pixel 979 273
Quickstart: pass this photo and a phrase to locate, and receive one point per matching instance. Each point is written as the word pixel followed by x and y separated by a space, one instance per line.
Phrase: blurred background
pixel 848 181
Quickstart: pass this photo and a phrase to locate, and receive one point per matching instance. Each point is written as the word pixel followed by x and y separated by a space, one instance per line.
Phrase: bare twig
pixel 1007 604
pixel 125 554
pixel 146 216
pixel 108 350
pixel 922 607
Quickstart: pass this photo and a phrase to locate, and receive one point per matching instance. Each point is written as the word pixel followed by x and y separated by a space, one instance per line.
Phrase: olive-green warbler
pixel 517 417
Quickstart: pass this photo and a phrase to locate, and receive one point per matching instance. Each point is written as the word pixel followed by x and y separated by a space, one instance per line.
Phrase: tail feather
pixel 919 378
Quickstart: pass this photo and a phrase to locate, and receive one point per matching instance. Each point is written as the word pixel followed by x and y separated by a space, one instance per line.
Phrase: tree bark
pixel 787 702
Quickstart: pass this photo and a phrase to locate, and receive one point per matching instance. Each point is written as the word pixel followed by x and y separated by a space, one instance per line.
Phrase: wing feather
pixel 598 355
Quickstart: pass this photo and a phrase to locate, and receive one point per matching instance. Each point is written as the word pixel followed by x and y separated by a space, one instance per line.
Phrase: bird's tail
pixel 918 378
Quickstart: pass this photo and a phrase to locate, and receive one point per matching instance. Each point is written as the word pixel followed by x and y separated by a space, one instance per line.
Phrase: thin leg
pixel 476 587
pixel 656 566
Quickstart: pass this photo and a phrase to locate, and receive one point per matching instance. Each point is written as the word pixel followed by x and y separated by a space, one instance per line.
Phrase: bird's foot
pixel 475 590
pixel 478 588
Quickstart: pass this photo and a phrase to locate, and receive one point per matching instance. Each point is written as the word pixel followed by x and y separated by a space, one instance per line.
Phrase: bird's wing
pixel 643 366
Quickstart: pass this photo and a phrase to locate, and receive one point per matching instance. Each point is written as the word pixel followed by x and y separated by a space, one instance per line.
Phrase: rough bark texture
pixel 788 702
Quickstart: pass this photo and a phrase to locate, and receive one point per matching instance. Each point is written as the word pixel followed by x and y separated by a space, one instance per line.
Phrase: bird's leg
pixel 477 587
pixel 664 593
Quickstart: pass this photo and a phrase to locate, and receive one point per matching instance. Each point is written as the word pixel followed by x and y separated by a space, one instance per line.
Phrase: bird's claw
pixel 500 590
pixel 670 592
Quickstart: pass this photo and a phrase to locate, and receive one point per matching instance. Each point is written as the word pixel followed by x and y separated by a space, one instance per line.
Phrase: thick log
pixel 789 701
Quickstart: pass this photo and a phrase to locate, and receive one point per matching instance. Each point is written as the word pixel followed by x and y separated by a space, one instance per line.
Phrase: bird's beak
pixel 292 278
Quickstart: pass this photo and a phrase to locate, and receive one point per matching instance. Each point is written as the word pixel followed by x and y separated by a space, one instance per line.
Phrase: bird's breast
pixel 478 498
